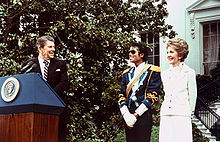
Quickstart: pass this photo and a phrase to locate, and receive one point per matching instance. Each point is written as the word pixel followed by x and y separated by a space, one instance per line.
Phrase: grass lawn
pixel 154 135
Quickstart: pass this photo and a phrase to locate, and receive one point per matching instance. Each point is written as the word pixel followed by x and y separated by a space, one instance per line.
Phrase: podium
pixel 29 111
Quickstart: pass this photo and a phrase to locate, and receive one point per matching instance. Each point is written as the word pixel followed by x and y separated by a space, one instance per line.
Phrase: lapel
pixel 51 68
pixel 143 76
pixel 185 68
pixel 131 73
pixel 36 61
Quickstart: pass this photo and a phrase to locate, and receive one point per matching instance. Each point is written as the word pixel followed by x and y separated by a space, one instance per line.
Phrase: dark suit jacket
pixel 57 75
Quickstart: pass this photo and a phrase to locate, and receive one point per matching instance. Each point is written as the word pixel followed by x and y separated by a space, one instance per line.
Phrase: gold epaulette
pixel 155 68
pixel 127 70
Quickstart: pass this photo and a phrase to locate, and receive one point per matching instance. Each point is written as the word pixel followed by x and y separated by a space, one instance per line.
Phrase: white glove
pixel 129 118
pixel 124 110
pixel 141 109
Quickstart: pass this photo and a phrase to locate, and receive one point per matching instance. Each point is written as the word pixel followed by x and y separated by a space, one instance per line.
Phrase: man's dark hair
pixel 142 49
pixel 42 40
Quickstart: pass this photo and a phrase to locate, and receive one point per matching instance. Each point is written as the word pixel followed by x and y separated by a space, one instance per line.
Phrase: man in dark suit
pixel 138 92
pixel 54 71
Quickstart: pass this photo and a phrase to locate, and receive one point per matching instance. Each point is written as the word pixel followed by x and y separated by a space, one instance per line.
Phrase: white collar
pixel 177 68
pixel 138 69
pixel 42 60
pixel 141 66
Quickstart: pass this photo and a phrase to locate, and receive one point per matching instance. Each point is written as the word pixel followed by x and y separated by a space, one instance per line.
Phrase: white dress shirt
pixel 137 71
pixel 42 65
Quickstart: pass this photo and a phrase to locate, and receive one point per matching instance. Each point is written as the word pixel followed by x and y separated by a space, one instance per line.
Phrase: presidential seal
pixel 10 89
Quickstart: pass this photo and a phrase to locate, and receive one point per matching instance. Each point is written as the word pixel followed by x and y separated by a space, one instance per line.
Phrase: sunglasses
pixel 132 51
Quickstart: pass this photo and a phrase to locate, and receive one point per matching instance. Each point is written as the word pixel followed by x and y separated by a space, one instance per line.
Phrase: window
pixel 211 45
pixel 153 54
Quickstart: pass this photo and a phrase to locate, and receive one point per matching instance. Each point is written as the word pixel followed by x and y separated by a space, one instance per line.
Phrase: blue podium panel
pixel 34 95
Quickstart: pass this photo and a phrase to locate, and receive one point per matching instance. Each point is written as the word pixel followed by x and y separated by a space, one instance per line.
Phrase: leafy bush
pixel 8 66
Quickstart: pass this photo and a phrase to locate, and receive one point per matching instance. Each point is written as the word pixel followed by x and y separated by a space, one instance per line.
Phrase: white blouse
pixel 180 89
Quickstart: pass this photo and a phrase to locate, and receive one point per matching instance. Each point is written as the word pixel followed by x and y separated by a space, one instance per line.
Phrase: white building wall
pixel 186 17
pixel 179 18
pixel 195 58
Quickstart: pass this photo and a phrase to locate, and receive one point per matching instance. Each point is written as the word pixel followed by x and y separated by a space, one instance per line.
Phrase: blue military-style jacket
pixel 148 87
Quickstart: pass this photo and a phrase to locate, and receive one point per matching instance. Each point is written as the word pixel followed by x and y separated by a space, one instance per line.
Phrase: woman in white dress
pixel 179 83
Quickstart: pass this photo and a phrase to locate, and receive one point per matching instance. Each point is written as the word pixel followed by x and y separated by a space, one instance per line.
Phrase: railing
pixel 211 120
pixel 206 115
pixel 210 93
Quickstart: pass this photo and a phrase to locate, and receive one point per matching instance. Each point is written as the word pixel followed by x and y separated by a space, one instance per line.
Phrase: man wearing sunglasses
pixel 138 92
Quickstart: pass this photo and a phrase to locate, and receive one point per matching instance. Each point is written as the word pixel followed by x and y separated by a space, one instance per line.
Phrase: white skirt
pixel 175 129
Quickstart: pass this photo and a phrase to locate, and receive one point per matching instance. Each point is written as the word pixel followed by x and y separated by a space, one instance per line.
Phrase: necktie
pixel 45 73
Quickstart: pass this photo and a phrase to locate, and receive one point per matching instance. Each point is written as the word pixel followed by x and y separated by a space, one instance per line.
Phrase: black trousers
pixel 141 132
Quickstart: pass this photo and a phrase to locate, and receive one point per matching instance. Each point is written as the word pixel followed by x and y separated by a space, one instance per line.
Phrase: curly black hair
pixel 142 49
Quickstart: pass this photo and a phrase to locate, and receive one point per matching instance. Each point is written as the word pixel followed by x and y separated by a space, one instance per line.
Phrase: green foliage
pixel 156 108
pixel 155 134
pixel 120 137
pixel 83 126
pixel 8 66
pixel 93 36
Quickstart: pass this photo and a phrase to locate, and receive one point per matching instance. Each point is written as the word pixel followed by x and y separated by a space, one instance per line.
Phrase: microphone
pixel 29 70
pixel 27 66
